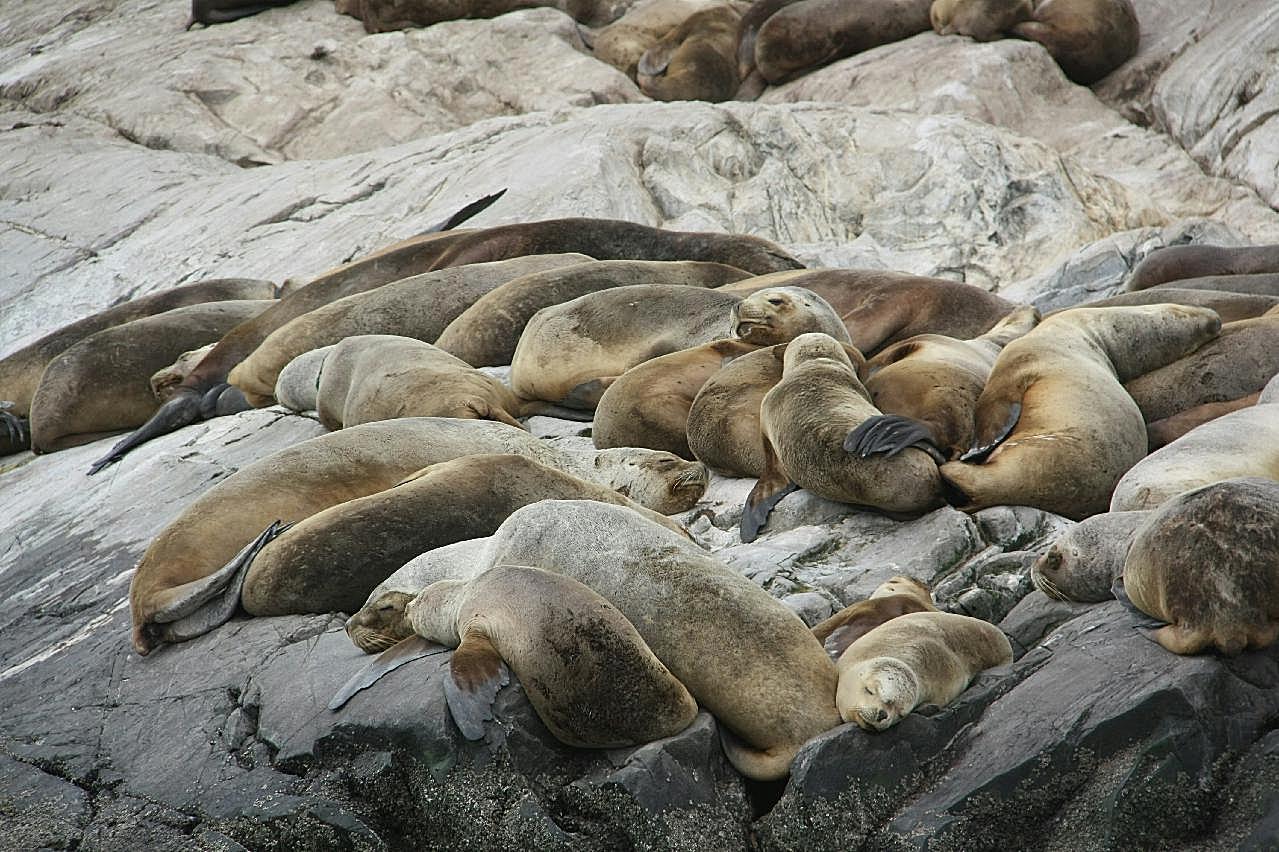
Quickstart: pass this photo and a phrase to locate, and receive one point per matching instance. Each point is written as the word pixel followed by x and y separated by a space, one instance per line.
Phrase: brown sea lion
pixel 780 314
pixel 982 20
pixel 880 308
pixel 805 421
pixel 420 306
pixel 753 83
pixel 210 12
pixel 918 658
pixel 722 426
pixel 623 42
pixel 1160 433
pixel 485 334
pixel 1259 284
pixel 696 61
pixel 101 386
pixel 1054 428
pixel 894 598
pixel 1231 307
pixel 1172 263
pixel 571 352
pixel 1207 563
pixel 573 652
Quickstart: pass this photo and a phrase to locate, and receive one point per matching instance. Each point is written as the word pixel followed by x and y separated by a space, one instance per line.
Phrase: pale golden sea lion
pixel 696 61
pixel 589 675
pixel 917 658
pixel 1054 428
pixel 894 598
pixel 1172 263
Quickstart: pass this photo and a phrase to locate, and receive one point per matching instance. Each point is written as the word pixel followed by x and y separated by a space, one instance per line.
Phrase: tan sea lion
pixel 894 598
pixel 623 42
pixel 928 386
pixel 780 314
pixel 805 421
pixel 1244 443
pixel 485 334
pixel 1054 428
pixel 723 422
pixel 982 20
pixel 101 385
pixel 1231 307
pixel 1207 563
pixel 571 352
pixel 810 33
pixel 1172 263
pixel 573 652
pixel 880 308
pixel 918 658
pixel 1083 562
pixel 420 306
pixel 695 61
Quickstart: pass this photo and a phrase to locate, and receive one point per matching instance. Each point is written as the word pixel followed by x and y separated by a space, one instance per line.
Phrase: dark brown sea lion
pixel 1257 284
pixel 1173 263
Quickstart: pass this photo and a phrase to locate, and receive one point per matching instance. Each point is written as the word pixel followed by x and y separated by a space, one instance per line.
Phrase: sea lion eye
pixel 385 608
pixel 777 300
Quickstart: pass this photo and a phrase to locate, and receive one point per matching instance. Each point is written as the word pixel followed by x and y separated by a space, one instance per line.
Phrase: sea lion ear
pixel 773 485
pixel 476 673
pixel 404 651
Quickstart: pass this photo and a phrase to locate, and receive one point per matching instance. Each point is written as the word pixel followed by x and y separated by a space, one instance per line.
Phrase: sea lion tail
pixel 475 207
pixel 182 410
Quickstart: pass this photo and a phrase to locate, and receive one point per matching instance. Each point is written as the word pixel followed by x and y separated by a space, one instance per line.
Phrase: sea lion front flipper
pixel 474 208
pixel 979 451
pixel 774 484
pixel 211 601
pixel 890 434
pixel 182 410
pixel 476 673
pixel 404 651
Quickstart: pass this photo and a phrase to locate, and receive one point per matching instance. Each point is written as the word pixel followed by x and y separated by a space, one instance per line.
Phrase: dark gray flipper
pixel 977 455
pixel 759 504
pixel 182 410
pixel 475 676
pixel 402 652
pixel 890 434
pixel 472 209
pixel 17 430
pixel 223 399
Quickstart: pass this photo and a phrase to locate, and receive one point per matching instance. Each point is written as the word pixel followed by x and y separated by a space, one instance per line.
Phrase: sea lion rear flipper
pixel 211 601
pixel 1121 594
pixel 587 395
pixel 182 410
pixel 890 434
pixel 472 209
pixel 17 429
pixel 773 485
pixel 404 651
pixel 979 451
pixel 476 673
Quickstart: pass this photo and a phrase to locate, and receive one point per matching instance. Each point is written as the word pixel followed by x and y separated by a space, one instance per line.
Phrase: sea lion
pixel 1259 284
pixel 573 652
pixel 780 314
pixel 420 306
pixel 917 658
pixel 1231 307
pixel 571 352
pixel 1172 263
pixel 753 83
pixel 1054 428
pixel 880 308
pixel 190 402
pixel 20 371
pixel 696 61
pixel 623 42
pixel 722 426
pixel 165 381
pixel 1245 443
pixel 1161 433
pixel 1237 363
pixel 331 559
pixel 981 20
pixel 1207 563
pixel 101 385
pixel 928 385
pixel 810 33
pixel 648 405
pixel 1083 562
pixel 897 596
pixel 485 334
pixel 210 12
pixel 805 421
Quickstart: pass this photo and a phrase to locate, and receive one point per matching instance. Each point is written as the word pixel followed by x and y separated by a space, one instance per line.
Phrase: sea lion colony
pixel 691 362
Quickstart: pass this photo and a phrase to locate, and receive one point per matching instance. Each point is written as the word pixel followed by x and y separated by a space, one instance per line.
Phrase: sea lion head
pixel 901 585
pixel 380 623
pixel 779 314
pixel 433 613
pixel 814 346
pixel 877 693
pixel 1083 562
pixel 164 382
pixel 655 479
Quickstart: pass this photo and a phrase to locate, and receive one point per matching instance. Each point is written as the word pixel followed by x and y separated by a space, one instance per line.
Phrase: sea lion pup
pixel 648 405
pixel 331 559
pixel 806 35
pixel 613 239
pixel 1237 363
pixel 1207 563
pixel 1231 307
pixel 420 306
pixel 573 652
pixel 571 352
pixel 1172 263
pixel 1245 443
pixel 928 385
pixel 183 566
pixel 917 658
pixel 623 42
pixel 880 308
pixel 164 382
pixel 485 334
pixel 20 371
pixel 101 385
pixel 805 420
pixel 1054 428
pixel 210 12
pixel 1084 561
pixel 373 377
pixel 897 596
pixel 696 61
